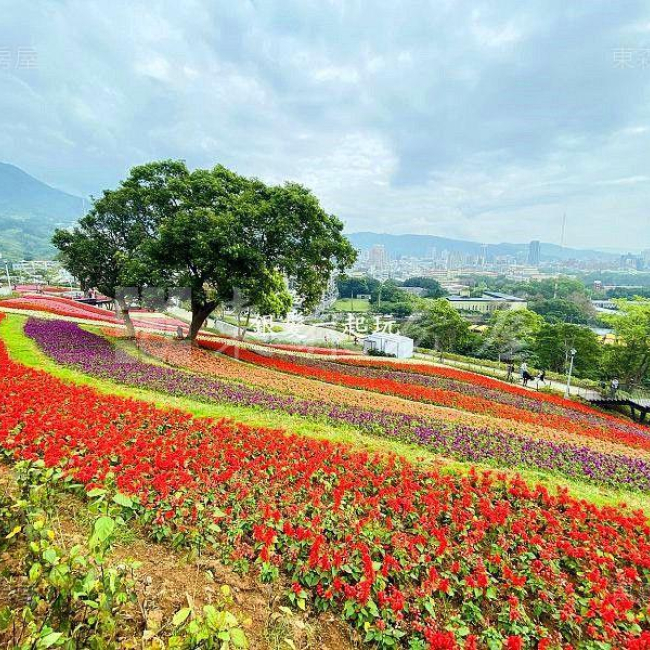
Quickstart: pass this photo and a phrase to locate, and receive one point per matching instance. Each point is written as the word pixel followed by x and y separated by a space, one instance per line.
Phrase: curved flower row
pixel 68 344
pixel 481 390
pixel 60 307
pixel 335 352
pixel 482 381
pixel 414 559
pixel 459 400
pixel 217 365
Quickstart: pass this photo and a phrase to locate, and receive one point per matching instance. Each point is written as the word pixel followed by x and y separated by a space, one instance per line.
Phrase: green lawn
pixel 21 348
pixel 349 304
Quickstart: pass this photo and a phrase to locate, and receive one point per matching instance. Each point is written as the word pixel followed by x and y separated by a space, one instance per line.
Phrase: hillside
pixel 421 245
pixel 29 212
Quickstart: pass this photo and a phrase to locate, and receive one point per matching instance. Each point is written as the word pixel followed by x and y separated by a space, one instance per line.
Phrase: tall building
pixel 533 253
pixel 378 257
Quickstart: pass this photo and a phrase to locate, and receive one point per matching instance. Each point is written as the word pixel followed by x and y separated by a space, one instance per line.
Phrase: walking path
pixel 501 374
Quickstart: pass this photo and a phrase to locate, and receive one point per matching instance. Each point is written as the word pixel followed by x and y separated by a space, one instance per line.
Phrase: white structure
pixel 393 344
pixel 490 301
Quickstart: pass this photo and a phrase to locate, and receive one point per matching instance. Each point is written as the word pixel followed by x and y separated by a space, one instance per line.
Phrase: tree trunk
pixel 128 323
pixel 199 315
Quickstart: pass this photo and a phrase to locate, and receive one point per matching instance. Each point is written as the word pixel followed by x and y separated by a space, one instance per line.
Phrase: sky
pixel 484 120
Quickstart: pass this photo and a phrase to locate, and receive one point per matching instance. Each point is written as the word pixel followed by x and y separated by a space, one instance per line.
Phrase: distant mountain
pixel 421 245
pixel 29 212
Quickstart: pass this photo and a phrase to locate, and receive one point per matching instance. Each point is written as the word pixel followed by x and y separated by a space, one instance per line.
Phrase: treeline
pixel 390 296
pixel 545 342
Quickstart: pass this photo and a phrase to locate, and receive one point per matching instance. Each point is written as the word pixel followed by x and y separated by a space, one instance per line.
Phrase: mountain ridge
pixel 420 245
pixel 30 210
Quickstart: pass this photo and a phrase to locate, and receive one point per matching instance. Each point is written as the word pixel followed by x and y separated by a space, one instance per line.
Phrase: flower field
pixel 411 558
pixel 461 395
pixel 59 307
pixel 70 345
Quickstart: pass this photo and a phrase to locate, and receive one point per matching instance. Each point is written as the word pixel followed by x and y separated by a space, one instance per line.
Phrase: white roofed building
pixel 395 345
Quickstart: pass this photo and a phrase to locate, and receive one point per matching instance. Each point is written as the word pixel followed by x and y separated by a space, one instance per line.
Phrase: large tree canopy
pixel 220 235
pixel 105 250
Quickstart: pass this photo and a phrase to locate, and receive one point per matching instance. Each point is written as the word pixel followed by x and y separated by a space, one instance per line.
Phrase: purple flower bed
pixel 91 354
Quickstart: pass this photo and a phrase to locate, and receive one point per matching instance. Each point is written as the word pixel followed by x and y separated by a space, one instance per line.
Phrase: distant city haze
pixel 485 122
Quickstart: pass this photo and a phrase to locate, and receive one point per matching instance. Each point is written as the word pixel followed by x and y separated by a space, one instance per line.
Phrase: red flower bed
pixel 390 546
pixel 311 350
pixel 443 397
pixel 412 558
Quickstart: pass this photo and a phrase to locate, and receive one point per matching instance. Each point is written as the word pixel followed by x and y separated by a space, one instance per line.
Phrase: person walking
pixel 614 387
pixel 511 370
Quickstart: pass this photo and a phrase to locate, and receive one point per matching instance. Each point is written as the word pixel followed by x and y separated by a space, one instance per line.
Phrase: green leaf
pixel 50 639
pixel 35 572
pixel 96 492
pixel 50 556
pixel 5 618
pixel 104 528
pixel 181 616
pixel 123 500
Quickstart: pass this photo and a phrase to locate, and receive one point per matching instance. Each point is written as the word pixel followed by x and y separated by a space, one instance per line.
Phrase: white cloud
pixel 403 117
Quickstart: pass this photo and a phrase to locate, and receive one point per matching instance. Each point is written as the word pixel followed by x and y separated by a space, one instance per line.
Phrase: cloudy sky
pixel 484 120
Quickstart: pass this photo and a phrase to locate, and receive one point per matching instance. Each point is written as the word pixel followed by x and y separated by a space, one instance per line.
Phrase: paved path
pixel 501 374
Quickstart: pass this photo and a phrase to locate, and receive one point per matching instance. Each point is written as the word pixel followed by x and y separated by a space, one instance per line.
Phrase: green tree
pixel 433 288
pixel 564 310
pixel 561 287
pixel 388 291
pixel 511 331
pixel 218 234
pixel 351 287
pixel 553 344
pixel 630 359
pixel 105 251
pixel 400 309
pixel 440 327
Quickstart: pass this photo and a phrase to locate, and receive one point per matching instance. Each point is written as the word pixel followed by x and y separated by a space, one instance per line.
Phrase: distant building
pixel 533 253
pixel 490 301
pixel 378 257
pixel 415 291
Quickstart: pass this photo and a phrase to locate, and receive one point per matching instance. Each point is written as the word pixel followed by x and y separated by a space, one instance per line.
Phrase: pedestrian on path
pixel 511 370
pixel 614 387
